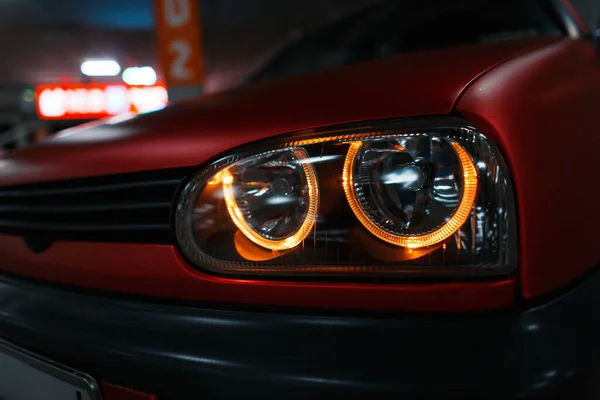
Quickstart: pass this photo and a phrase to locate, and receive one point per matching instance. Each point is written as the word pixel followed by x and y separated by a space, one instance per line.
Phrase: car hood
pixel 192 132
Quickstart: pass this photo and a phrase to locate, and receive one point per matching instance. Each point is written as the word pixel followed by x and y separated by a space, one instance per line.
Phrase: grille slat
pixel 91 189
pixel 80 209
pixel 132 207
pixel 32 227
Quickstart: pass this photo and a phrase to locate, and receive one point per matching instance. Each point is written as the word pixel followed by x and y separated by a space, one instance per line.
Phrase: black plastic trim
pixel 88 189
pixel 79 209
pixel 551 350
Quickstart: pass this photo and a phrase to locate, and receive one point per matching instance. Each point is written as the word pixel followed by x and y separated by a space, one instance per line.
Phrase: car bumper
pixel 182 351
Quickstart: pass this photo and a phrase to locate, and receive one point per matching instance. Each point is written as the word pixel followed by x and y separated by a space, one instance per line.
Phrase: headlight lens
pixel 272 199
pixel 408 200
pixel 426 198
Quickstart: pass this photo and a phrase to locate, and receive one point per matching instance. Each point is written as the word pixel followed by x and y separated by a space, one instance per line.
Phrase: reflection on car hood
pixel 192 132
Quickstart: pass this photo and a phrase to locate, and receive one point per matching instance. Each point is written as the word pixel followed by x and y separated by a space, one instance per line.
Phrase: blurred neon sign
pixel 97 100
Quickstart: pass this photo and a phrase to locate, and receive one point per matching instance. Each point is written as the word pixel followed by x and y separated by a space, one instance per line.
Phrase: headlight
pixel 419 197
pixel 272 199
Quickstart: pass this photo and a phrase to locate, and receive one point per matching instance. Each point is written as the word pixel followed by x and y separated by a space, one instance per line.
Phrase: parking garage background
pixel 45 41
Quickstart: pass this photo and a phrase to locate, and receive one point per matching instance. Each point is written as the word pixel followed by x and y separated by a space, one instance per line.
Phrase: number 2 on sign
pixel 181 49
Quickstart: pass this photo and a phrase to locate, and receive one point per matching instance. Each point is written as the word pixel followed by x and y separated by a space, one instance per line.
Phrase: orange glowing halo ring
pixel 459 217
pixel 297 237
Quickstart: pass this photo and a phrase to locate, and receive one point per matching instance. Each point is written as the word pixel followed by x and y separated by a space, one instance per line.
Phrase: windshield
pixel 393 27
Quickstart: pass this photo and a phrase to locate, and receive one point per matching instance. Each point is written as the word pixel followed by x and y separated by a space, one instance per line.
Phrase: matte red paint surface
pixel 194 132
pixel 543 110
pixel 114 392
pixel 158 271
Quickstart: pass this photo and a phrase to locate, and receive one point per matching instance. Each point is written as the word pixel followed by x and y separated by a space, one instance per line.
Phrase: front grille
pixel 133 207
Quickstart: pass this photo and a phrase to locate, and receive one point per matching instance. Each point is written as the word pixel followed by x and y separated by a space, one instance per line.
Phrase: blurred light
pixel 148 99
pixel 117 101
pixel 139 76
pixel 89 101
pixel 50 103
pixel 100 68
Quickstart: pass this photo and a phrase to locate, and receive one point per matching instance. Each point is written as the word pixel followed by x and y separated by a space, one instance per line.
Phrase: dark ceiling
pixel 46 40
pixel 107 14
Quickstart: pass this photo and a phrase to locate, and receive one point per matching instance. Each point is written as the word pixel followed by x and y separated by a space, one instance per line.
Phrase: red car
pixel 415 215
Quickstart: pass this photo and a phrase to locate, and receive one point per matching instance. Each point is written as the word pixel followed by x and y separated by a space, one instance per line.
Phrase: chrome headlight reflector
pixel 405 202
pixel 273 198
pixel 416 197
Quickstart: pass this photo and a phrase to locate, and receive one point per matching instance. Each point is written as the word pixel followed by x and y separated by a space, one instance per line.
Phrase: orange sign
pixel 97 100
pixel 179 41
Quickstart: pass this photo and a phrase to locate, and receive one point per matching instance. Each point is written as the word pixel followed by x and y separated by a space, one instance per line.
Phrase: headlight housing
pixel 419 197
